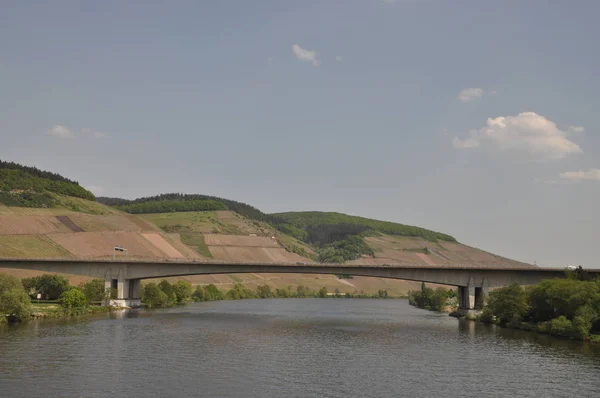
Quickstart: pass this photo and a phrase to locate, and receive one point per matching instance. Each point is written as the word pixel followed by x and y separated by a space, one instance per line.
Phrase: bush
pixel 51 287
pixel 264 291
pixel 240 292
pixel 94 290
pixel 73 298
pixel 508 304
pixel 153 296
pixel 16 304
pixel 14 301
pixel 560 326
pixel 198 294
pixel 183 291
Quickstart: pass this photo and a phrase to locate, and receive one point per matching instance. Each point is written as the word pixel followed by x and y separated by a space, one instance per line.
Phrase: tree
pixel 323 292
pixel 49 286
pixel 14 301
pixel 183 291
pixel 302 291
pixel 94 290
pixel 153 296
pixel 73 298
pixel 199 294
pixel 264 291
pixel 509 303
pixel 8 282
pixel 283 293
pixel 240 292
pixel 213 293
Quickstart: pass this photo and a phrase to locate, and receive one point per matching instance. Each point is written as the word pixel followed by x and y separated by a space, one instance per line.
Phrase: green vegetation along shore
pixel 165 294
pixel 440 299
pixel 19 300
pixel 568 308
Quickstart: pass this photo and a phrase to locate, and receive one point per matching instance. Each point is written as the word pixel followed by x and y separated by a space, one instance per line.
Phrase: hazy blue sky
pixel 475 118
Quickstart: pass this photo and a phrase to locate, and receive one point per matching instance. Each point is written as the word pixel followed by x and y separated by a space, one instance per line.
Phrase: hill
pixel 43 214
pixel 25 186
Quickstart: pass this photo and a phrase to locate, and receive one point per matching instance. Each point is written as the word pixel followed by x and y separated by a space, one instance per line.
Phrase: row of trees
pixel 165 294
pixel 172 206
pixel 434 300
pixel 241 208
pixel 562 307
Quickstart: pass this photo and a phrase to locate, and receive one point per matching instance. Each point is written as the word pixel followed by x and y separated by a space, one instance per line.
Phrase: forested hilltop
pixel 24 186
pixel 336 237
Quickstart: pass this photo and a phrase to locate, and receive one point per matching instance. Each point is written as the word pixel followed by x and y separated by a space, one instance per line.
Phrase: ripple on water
pixel 297 348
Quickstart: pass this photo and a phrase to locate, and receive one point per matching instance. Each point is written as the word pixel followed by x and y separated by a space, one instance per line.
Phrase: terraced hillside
pixel 43 214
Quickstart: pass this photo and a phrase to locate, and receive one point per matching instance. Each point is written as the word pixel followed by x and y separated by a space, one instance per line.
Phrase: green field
pixel 196 241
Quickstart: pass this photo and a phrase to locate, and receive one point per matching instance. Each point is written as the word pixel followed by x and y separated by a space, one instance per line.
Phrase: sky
pixel 475 118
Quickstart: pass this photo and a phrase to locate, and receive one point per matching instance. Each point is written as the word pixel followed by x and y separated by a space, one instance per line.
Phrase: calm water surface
pixel 292 348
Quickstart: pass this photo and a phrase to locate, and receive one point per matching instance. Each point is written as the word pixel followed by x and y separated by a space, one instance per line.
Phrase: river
pixel 289 348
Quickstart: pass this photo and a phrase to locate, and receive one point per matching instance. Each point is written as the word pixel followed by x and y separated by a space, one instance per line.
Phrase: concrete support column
pixel 122 288
pixel 480 295
pixel 134 288
pixel 466 297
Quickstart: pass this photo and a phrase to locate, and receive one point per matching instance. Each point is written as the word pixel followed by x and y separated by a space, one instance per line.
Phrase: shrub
pixel 49 286
pixel 16 304
pixel 14 301
pixel 94 290
pixel 153 296
pixel 198 294
pixel 183 291
pixel 73 298
pixel 508 304
pixel 561 326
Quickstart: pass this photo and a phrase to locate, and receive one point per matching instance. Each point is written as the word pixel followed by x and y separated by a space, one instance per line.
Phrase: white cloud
pixel 492 93
pixel 590 175
pixel 576 129
pixel 61 132
pixel 339 58
pixel 470 94
pixel 526 132
pixel 306 55
pixel 470 142
pixel 95 189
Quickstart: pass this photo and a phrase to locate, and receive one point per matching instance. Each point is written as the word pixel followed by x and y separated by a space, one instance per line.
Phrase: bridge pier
pixel 471 298
pixel 466 297
pixel 128 292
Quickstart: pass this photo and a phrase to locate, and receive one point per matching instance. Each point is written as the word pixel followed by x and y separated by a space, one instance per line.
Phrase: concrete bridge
pixel 124 275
